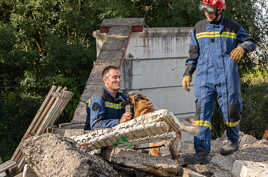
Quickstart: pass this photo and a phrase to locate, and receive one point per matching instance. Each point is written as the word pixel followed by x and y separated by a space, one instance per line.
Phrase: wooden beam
pixel 41 109
pixel 6 165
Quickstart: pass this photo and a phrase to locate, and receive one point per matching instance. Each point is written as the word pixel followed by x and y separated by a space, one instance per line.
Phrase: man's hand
pixel 149 105
pixel 186 82
pixel 126 117
pixel 237 54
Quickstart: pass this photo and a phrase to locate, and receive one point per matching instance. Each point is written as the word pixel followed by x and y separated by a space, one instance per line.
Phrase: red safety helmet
pixel 212 5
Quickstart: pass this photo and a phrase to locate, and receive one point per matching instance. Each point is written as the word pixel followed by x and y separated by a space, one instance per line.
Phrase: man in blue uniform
pixel 217 45
pixel 106 110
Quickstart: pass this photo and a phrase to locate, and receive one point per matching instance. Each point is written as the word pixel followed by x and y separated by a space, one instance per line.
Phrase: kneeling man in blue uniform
pixel 106 110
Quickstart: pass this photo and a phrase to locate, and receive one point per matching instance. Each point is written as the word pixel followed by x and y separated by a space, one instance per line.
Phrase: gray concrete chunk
pixel 249 169
pixel 54 156
pixel 123 22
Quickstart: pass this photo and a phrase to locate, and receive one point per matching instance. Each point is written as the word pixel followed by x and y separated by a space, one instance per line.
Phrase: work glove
pixel 186 82
pixel 237 54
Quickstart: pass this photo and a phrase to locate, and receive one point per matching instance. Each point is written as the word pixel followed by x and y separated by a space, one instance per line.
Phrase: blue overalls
pixel 216 76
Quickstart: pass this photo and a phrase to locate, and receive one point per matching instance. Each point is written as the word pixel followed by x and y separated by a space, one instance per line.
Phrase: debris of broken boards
pixel 6 165
pixel 51 108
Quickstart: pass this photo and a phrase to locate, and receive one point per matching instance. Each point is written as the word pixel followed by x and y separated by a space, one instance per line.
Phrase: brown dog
pixel 265 134
pixel 140 106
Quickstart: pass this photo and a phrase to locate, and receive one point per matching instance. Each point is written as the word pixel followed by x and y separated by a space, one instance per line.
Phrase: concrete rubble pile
pixel 54 155
pixel 156 126
pixel 249 161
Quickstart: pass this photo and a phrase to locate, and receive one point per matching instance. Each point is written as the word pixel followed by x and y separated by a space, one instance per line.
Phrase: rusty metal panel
pixel 159 43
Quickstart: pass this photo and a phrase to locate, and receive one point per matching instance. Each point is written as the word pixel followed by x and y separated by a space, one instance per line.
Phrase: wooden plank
pixel 50 103
pixel 56 109
pixel 51 112
pixel 36 124
pixel 21 164
pixel 6 165
pixel 34 121
pixel 66 97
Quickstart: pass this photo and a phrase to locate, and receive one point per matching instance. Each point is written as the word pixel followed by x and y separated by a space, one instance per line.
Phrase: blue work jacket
pixel 105 111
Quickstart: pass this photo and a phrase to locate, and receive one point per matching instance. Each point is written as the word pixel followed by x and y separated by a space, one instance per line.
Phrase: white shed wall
pixel 154 65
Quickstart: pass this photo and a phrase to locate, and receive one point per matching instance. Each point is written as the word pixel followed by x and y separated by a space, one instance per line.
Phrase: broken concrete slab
pixel 246 139
pixel 114 44
pixel 143 162
pixel 191 173
pixel 54 156
pixel 74 132
pixel 223 162
pixel 123 22
pixel 109 55
pixel 256 152
pixel 80 113
pixel 68 132
pixel 221 173
pixel 30 173
pixel 152 127
pixel 92 90
pixel 249 169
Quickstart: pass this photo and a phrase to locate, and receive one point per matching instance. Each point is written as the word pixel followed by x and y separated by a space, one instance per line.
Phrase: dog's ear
pixel 131 98
pixel 140 97
pixel 123 104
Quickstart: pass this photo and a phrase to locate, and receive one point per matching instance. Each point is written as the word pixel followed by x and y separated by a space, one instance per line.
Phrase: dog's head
pixel 135 98
pixel 139 104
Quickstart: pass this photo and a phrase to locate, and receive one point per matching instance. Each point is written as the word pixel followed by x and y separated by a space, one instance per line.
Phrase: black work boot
pixel 200 157
pixel 229 148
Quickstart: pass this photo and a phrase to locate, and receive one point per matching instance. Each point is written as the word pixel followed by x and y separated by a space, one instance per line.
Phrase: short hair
pixel 107 70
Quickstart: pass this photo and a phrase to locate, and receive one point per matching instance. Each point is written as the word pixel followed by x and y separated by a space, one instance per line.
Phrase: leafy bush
pixel 254 119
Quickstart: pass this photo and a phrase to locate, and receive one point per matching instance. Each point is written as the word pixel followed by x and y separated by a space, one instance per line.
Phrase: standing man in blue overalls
pixel 217 45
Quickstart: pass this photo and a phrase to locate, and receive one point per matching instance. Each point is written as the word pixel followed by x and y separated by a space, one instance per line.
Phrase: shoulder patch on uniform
pixel 88 102
pixel 95 106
